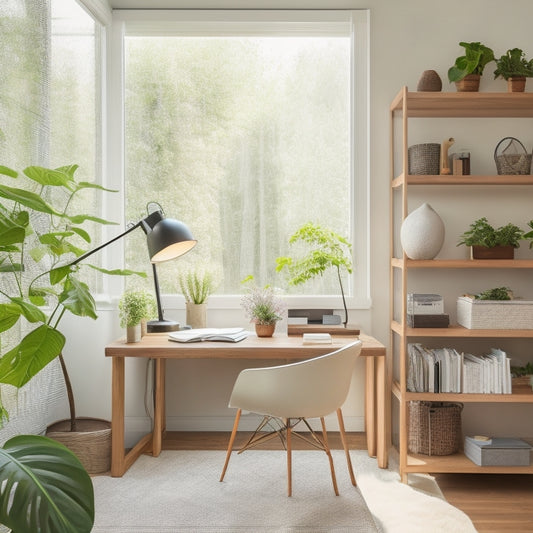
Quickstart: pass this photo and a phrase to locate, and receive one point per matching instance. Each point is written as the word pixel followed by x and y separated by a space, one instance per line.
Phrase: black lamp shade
pixel 168 239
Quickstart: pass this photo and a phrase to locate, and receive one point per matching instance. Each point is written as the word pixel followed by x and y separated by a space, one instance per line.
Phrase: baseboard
pixel 137 427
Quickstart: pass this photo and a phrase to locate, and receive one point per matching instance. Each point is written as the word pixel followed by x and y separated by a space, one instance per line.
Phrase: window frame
pixel 263 22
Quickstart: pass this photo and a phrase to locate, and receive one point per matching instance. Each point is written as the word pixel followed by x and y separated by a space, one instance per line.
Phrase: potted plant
pixel 44 487
pixel 196 286
pixel 467 70
pixel 487 242
pixel 515 68
pixel 39 234
pixel 263 308
pixel 135 307
pixel 327 250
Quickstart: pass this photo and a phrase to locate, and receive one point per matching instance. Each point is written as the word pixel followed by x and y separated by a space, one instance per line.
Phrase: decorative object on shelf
pixel 424 159
pixel 445 147
pixel 498 451
pixel 494 314
pixel 461 163
pixel 134 307
pixel 196 286
pixel 487 242
pixel 515 68
pixel 328 249
pixel 263 308
pixel 422 233
pixel 429 81
pixel 497 293
pixel 467 70
pixel 511 157
pixel 434 427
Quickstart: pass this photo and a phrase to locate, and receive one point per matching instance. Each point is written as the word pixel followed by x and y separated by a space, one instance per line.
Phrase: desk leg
pixel 370 406
pixel 118 466
pixel 381 418
pixel 159 406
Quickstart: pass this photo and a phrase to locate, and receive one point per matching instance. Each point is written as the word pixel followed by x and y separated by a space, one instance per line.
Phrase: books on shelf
pixel 428 321
pixel 424 304
pixel 447 370
pixel 209 334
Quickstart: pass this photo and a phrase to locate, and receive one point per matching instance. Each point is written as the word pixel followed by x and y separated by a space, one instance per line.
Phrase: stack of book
pixel 447 370
pixel 426 311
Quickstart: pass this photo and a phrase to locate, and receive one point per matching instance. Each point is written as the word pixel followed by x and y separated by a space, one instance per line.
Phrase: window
pixel 246 125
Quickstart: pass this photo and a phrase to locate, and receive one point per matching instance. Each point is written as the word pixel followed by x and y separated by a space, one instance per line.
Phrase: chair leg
pixel 345 445
pixel 328 452
pixel 230 444
pixel 289 458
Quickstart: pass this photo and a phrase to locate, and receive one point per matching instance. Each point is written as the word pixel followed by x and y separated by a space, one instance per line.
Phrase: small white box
pixel 492 314
pixel 425 304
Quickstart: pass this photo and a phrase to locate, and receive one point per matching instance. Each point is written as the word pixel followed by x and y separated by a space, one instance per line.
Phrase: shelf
pixel 463 263
pixel 521 394
pixel 507 179
pixel 457 463
pixel 463 104
pixel 460 332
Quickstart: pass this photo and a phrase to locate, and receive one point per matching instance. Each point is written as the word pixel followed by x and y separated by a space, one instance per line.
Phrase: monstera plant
pixel 40 237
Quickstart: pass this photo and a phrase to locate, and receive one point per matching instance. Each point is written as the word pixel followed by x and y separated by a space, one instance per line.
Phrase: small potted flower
pixel 196 287
pixel 263 308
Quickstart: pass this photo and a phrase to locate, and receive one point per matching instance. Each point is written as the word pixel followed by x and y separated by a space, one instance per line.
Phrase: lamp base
pixel 162 326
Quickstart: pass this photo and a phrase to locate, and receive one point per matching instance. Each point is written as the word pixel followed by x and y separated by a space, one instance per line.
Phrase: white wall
pixel 407 37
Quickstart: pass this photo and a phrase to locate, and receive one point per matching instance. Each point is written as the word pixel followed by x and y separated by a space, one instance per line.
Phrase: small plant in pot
pixel 135 307
pixel 487 242
pixel 467 70
pixel 196 287
pixel 262 307
pixel 39 238
pixel 515 68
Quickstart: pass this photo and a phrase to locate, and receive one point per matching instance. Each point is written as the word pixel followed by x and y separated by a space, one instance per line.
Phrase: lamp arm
pixel 157 295
pixel 91 252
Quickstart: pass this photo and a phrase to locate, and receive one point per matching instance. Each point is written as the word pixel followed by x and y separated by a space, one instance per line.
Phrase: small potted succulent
pixel 135 307
pixel 488 242
pixel 263 308
pixel 467 70
pixel 196 286
pixel 515 68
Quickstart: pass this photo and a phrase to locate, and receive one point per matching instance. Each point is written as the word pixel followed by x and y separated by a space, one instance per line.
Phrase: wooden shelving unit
pixel 446 105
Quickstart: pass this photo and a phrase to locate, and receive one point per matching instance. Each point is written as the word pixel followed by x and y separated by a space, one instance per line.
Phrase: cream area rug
pixel 179 492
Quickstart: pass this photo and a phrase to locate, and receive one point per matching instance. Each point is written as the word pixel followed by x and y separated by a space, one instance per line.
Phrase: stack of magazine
pixel 447 370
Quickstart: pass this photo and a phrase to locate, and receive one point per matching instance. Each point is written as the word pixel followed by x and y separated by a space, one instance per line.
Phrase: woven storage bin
pixel 494 314
pixel 424 159
pixel 434 427
pixel 511 157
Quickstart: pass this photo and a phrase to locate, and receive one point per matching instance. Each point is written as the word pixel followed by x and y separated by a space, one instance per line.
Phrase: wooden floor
pixel 494 503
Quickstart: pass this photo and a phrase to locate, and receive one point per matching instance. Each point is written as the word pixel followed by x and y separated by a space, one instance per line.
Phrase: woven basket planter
pixel 434 427
pixel 424 159
pixel 91 443
pixel 494 314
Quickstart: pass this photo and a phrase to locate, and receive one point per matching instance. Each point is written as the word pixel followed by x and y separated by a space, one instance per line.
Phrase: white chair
pixel 289 394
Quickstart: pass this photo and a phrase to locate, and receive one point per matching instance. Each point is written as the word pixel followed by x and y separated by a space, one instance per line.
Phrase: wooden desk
pixel 278 347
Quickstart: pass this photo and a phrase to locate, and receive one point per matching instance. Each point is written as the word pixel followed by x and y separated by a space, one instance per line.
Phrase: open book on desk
pixel 209 334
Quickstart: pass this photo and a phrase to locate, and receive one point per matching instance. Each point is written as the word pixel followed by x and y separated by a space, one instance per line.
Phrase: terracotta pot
pixel 265 330
pixel 470 83
pixel 516 84
pixel 498 252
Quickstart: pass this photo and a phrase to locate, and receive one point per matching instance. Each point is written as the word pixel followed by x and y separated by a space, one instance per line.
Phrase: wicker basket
pixel 91 443
pixel 424 159
pixel 434 427
pixel 512 157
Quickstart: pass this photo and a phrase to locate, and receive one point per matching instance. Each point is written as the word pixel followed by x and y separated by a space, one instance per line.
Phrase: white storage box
pixel 498 452
pixel 491 314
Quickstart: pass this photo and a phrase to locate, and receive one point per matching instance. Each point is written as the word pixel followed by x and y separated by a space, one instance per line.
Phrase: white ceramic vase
pixel 422 233
pixel 133 333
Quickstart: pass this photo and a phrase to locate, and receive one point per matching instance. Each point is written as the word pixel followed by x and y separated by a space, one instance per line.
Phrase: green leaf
pixel 9 314
pixel 47 176
pixel 44 487
pixel 37 349
pixel 28 199
pixel 57 274
pixel 6 171
pixel 80 219
pixel 118 271
pixel 78 299
pixel 82 233
pixel 90 185
pixel 11 267
pixel 29 311
pixel 11 231
pixel 69 170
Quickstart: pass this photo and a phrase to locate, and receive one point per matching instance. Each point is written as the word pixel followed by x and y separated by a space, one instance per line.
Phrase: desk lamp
pixel 167 239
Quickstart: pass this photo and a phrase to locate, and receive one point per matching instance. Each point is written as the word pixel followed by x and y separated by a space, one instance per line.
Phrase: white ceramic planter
pixel 196 315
